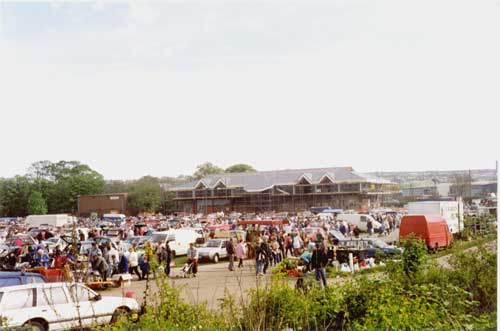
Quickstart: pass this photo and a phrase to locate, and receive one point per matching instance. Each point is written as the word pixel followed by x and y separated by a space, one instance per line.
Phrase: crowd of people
pixel 268 245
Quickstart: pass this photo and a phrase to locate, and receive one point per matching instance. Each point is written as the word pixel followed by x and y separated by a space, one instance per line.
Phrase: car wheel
pixel 216 258
pixel 119 312
pixel 34 326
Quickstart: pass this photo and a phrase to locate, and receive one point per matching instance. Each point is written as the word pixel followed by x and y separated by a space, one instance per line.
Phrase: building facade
pixel 115 203
pixel 283 190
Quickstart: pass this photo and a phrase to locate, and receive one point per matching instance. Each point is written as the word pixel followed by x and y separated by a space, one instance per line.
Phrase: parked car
pixel 53 242
pixel 13 278
pixel 361 220
pixel 372 246
pixel 20 240
pixel 178 239
pixel 114 234
pixel 382 246
pixel 213 250
pixel 311 233
pixel 58 306
pixel 335 236
pixel 140 240
pixel 85 247
pixel 101 241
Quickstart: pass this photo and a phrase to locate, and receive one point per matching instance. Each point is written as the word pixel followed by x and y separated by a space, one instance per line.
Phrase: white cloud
pixel 142 13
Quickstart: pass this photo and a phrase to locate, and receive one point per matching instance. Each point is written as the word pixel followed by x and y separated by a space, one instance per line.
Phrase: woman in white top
pixel 133 262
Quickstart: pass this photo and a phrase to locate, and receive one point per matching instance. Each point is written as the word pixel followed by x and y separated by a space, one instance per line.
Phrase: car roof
pixel 32 285
pixel 5 274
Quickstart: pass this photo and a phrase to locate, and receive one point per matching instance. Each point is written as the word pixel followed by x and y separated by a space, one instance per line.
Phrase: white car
pixel 213 250
pixel 51 244
pixel 60 306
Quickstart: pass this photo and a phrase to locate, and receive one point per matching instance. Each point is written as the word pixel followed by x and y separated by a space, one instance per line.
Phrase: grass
pixel 460 245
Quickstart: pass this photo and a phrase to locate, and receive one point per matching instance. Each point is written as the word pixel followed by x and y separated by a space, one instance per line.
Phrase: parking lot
pixel 209 285
pixel 211 281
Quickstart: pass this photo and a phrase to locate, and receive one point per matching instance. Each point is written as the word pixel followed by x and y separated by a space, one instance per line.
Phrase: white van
pixel 33 221
pixel 359 219
pixel 178 239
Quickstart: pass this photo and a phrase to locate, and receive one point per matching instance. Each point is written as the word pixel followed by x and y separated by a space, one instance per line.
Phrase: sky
pixel 157 88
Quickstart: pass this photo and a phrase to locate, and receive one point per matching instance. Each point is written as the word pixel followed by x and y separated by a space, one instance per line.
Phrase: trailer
pixel 451 211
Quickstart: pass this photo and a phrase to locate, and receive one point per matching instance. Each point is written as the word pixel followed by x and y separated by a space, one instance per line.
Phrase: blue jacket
pixel 42 261
pixel 123 264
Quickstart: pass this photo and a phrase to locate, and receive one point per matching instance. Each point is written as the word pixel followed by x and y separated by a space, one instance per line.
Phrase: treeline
pixel 52 188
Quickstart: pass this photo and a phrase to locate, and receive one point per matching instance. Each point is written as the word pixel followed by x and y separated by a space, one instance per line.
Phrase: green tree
pixel 414 256
pixel 167 204
pixel 61 183
pixel 116 186
pixel 14 194
pixel 145 195
pixel 36 204
pixel 206 169
pixel 240 167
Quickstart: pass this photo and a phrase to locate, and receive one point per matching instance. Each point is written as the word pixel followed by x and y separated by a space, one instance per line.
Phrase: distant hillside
pixel 438 176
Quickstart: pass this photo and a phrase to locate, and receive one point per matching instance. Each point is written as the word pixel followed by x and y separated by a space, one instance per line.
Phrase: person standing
pixel 260 259
pixel 297 245
pixel 240 253
pixel 133 261
pixel 144 266
pixel 95 250
pixel 288 245
pixel 192 255
pixel 99 264
pixel 42 259
pixel 269 255
pixel 167 257
pixel 369 226
pixel 230 254
pixel 319 260
pixel 123 264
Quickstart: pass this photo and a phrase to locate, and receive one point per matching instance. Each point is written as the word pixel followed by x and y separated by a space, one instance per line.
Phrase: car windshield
pixel 23 239
pixel 379 244
pixel 213 243
pixel 157 237
pixel 53 240
pixel 85 248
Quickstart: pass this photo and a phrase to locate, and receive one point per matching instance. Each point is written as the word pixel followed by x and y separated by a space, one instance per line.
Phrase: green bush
pixel 411 295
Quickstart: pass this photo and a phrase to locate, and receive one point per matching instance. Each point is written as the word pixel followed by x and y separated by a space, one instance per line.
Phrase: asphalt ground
pixel 212 281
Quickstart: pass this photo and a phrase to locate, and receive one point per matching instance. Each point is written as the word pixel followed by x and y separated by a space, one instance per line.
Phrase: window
pixel 158 238
pixel 18 299
pixel 363 219
pixel 51 296
pixel 34 280
pixel 11 281
pixel 81 293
